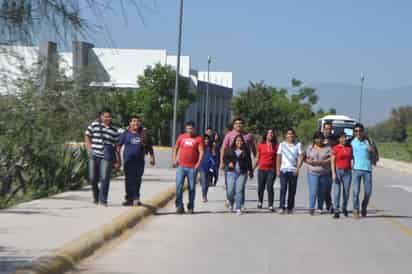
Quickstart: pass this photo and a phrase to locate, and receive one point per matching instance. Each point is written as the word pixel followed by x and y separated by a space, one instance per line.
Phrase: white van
pixel 340 123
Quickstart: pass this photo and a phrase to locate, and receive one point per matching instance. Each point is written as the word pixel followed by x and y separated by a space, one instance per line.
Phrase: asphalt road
pixel 216 241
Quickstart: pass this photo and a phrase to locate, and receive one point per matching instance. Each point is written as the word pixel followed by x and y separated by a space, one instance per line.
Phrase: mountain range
pixel 377 103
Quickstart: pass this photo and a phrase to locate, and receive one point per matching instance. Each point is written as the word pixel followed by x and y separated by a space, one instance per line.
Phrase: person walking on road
pixel 266 165
pixel 341 165
pixel 216 146
pixel 237 129
pixel 331 140
pixel 288 163
pixel 318 157
pixel 238 164
pixel 363 152
pixel 135 143
pixel 190 149
pixel 101 143
pixel 207 167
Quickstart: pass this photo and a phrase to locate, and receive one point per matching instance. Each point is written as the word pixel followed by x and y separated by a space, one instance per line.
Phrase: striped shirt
pixel 101 135
pixel 290 154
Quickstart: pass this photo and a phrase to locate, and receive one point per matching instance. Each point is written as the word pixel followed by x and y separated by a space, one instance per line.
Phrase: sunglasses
pixel 358 130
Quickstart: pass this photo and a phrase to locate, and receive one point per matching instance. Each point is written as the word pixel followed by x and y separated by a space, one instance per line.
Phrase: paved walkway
pixel 215 241
pixel 33 229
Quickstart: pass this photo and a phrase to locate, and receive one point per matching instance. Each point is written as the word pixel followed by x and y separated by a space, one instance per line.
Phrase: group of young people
pixel 107 146
pixel 331 162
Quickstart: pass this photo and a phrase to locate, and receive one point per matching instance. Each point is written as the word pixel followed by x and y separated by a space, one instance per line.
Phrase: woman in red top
pixel 341 174
pixel 266 164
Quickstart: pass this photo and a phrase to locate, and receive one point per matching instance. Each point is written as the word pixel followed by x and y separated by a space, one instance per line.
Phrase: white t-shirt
pixel 290 154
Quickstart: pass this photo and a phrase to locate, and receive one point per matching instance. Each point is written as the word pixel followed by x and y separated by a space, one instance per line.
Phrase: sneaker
pixel 238 212
pixel 345 213
pixel 103 204
pixel 311 212
pixel 320 211
pixel 180 210
pixel 227 205
pixel 331 210
pixel 282 211
pixel 204 200
pixel 336 215
pixel 356 214
pixel 190 211
pixel 259 206
pixel 137 202
pixel 127 203
pixel 324 211
pixel 272 209
pixel 290 211
pixel 364 213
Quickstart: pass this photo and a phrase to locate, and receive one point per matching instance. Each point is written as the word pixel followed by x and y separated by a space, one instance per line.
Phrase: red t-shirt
pixel 267 156
pixel 188 149
pixel 343 156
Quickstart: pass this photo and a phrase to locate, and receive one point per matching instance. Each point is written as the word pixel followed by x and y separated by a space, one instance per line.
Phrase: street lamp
pixel 361 97
pixel 209 61
pixel 179 46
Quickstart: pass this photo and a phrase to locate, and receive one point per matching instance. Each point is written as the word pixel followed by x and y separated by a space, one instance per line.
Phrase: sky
pixel 317 41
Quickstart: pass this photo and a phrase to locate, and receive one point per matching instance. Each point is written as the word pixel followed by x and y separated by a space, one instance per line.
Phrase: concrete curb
pixel 65 258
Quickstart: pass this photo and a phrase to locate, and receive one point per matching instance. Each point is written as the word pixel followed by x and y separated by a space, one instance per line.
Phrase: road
pixel 215 241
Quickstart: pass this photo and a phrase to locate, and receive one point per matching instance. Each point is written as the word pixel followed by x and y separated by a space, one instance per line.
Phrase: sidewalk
pixel 34 229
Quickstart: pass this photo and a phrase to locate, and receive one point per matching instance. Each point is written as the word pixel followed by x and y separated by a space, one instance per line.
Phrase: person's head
pixel 206 140
pixel 342 138
pixel 290 135
pixel 105 116
pixel 209 131
pixel 359 130
pixel 269 136
pixel 190 128
pixel 135 122
pixel 238 124
pixel 318 138
pixel 327 129
pixel 238 142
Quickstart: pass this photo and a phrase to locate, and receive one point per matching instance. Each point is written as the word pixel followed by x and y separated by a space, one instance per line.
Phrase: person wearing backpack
pixel 364 156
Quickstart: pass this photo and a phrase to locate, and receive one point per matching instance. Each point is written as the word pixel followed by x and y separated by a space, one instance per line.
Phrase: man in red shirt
pixel 190 149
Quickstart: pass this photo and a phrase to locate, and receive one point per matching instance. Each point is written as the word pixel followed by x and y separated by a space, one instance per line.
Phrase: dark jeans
pixel 205 181
pixel 288 183
pixel 266 179
pixel 328 194
pixel 100 171
pixel 133 170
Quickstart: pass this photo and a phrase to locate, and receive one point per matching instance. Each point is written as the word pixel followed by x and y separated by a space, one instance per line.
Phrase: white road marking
pixel 406 188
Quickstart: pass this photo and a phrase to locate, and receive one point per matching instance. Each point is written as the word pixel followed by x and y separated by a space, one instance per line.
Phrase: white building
pixel 120 68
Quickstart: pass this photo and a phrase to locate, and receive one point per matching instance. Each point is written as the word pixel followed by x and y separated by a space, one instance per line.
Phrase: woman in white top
pixel 288 163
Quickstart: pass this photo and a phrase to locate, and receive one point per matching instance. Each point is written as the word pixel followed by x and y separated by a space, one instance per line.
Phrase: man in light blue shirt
pixel 362 169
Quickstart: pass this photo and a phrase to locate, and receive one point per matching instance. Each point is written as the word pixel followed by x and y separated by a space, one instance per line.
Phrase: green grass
pixel 395 151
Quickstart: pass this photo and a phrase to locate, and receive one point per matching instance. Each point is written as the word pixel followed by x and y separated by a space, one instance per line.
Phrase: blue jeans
pixel 100 170
pixel 366 176
pixel 133 170
pixel 181 174
pixel 288 183
pixel 266 179
pixel 318 188
pixel 324 191
pixel 235 188
pixel 343 181
pixel 205 180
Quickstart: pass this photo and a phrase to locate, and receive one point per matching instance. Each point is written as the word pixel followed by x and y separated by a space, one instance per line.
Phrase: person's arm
pixel 222 152
pixel 300 160
pixel 175 163
pixel 333 166
pixel 257 159
pixel 88 142
pixel 201 150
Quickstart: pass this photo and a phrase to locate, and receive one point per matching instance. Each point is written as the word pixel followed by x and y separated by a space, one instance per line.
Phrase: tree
pixel 154 100
pixel 264 106
pixel 22 20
